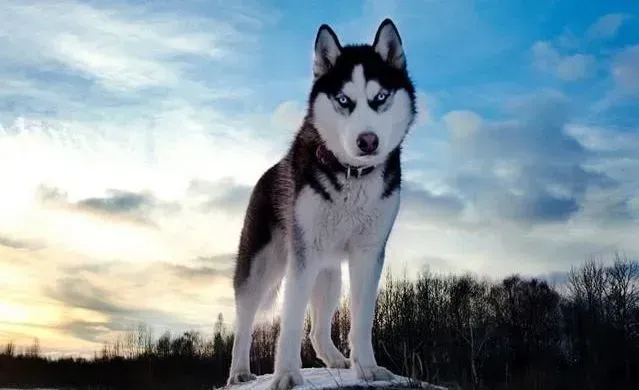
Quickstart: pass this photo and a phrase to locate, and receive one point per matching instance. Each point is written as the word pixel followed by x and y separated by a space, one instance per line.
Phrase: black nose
pixel 367 142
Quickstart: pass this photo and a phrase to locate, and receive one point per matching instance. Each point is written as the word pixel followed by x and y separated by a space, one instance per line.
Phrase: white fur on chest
pixel 357 211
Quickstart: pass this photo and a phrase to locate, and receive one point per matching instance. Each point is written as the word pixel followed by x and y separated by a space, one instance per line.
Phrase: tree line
pixel 458 331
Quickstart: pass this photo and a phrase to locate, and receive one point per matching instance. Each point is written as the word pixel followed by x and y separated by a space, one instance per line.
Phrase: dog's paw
pixel 334 360
pixel 373 373
pixel 337 362
pixel 240 377
pixel 286 380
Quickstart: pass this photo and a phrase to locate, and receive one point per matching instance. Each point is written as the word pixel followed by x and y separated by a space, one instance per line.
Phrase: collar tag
pixel 325 157
pixel 356 172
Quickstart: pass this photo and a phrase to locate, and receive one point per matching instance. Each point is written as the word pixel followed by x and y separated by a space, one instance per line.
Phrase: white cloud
pixel 566 67
pixel 122 47
pixel 567 40
pixel 288 116
pixel 626 70
pixel 160 152
pixel 602 139
pixel 80 160
pixel 425 106
pixel 526 170
pixel 575 67
pixel 616 153
pixel 84 143
pixel 160 156
pixel 606 26
pixel 111 67
pixel 462 124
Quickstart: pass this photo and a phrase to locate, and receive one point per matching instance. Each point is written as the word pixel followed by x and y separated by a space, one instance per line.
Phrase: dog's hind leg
pixel 251 295
pixel 246 306
pixel 324 301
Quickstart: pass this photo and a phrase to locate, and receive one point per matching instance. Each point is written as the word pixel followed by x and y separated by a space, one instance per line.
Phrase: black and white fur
pixel 325 201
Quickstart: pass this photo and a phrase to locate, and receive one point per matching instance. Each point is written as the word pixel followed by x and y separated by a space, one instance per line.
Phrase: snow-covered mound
pixel 336 378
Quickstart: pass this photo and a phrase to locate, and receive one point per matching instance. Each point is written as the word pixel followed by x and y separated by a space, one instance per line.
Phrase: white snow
pixel 332 378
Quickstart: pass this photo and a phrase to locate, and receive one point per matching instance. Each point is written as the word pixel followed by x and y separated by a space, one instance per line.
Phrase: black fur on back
pixel 272 199
pixel 260 220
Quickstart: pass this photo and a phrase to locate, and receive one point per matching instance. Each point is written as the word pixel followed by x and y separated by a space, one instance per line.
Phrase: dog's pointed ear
pixel 388 44
pixel 327 49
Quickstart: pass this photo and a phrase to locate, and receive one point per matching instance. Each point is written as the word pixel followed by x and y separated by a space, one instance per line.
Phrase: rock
pixel 336 378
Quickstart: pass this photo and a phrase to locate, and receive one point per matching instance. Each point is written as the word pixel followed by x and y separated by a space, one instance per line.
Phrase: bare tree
pixel 34 350
pixel 588 286
pixel 10 349
pixel 622 297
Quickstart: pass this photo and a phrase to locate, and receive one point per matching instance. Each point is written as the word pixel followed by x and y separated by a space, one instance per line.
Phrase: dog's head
pixel 362 101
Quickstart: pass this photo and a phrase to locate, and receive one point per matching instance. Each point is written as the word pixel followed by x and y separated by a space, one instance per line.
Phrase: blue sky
pixel 132 132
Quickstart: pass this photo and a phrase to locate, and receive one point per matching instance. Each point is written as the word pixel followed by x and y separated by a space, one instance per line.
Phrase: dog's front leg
pixel 365 267
pixel 299 280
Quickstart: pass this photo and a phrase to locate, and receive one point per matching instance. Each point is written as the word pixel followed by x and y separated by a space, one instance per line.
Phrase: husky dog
pixel 333 196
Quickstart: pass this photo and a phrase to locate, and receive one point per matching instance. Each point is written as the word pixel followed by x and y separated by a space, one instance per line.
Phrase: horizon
pixel 131 135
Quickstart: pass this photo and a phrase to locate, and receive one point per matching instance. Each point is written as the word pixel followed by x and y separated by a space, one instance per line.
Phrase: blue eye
pixel 381 96
pixel 342 99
